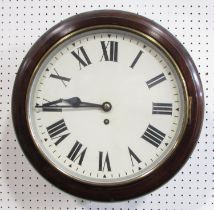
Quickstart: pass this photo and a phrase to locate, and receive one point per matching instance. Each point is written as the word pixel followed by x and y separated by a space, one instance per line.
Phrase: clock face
pixel 107 106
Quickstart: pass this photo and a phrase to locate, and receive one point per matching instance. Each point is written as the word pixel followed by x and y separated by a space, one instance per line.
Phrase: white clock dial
pixel 138 126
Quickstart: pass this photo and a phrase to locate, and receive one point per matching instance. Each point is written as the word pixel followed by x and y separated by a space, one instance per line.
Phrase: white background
pixel 22 22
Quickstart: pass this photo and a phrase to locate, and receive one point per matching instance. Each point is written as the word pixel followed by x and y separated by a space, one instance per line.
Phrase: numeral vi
pixel 104 162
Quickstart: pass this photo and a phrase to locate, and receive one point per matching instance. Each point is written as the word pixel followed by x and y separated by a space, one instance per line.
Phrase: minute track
pixel 134 155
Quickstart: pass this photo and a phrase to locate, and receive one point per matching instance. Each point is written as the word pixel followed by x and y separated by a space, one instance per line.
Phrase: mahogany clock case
pixel 181 57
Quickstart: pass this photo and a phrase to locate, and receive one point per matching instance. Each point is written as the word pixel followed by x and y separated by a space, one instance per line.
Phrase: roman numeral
pixel 136 59
pixel 156 80
pixel 104 162
pixel 110 51
pixel 133 156
pixel 153 136
pixel 162 108
pixel 75 153
pixel 56 131
pixel 82 57
pixel 61 78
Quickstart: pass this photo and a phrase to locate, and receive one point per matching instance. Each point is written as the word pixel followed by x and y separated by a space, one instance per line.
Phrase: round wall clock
pixel 107 105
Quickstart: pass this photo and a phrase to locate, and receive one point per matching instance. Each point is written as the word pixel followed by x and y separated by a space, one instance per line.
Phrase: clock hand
pixel 76 102
pixel 73 102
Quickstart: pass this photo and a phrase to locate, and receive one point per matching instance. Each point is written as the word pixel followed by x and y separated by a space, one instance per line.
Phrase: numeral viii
pixel 57 131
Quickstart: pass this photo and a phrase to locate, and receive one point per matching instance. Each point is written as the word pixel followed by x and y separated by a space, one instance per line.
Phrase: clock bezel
pixel 119 28
pixel 95 19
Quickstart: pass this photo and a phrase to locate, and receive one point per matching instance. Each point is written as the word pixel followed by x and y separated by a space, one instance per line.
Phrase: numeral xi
pixel 82 57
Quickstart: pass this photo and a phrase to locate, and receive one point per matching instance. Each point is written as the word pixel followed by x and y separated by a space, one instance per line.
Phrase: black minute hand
pixel 73 102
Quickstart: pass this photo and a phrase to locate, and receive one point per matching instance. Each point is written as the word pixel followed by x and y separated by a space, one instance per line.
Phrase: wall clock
pixel 107 105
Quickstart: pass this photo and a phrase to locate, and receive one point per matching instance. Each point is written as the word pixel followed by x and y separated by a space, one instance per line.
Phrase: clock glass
pixel 107 105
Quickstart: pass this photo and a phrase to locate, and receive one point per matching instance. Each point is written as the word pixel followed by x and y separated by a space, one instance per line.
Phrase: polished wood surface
pixel 163 173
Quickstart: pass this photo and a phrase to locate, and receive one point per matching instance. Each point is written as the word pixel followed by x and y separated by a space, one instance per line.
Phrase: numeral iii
pixel 162 108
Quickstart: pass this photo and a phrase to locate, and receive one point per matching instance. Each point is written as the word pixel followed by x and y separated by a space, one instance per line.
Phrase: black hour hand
pixel 73 102
pixel 76 102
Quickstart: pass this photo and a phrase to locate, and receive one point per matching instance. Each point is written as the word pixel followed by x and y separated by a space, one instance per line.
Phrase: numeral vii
pixel 75 153
pixel 104 162
pixel 162 108
pixel 110 51
pixel 57 131
pixel 153 136
pixel 82 57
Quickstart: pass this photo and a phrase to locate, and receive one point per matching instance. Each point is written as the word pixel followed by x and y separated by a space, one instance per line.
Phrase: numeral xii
pixel 110 51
